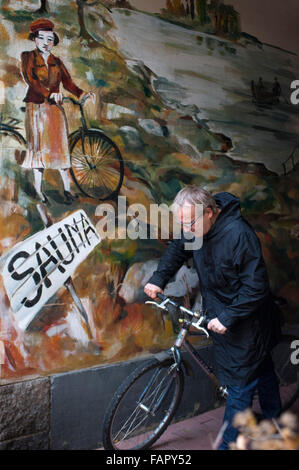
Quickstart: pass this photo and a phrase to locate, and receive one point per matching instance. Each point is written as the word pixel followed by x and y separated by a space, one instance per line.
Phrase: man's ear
pixel 210 212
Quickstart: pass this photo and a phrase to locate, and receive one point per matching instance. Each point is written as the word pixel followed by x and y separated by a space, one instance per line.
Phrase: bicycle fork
pixel 149 410
pixel 177 365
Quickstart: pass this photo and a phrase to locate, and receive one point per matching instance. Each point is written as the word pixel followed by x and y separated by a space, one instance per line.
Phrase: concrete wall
pixel 65 411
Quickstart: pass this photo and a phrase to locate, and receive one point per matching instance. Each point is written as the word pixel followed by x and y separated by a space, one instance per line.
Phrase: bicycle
pixel 97 166
pixel 145 403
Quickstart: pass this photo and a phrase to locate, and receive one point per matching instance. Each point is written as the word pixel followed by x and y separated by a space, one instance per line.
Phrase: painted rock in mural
pixel 138 275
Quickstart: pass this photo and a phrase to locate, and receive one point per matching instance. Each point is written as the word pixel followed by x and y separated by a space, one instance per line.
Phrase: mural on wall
pixel 129 107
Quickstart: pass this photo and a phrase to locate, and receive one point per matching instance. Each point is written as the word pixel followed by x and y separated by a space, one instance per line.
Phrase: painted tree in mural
pixel 177 7
pixel 122 4
pixel 169 6
pixel 192 9
pixel 44 7
pixel 233 25
pixel 81 4
pixel 201 6
pixel 187 8
pixel 183 10
pixel 227 21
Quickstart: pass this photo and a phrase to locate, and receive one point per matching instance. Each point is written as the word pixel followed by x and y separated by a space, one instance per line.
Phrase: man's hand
pixel 151 290
pixel 216 326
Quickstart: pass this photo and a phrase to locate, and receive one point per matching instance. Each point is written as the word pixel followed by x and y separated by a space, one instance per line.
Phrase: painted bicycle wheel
pixel 97 164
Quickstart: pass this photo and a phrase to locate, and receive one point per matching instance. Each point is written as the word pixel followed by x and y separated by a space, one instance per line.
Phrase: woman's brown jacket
pixel 43 80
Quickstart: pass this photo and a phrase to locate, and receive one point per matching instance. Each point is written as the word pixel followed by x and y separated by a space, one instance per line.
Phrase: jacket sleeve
pixel 29 78
pixel 171 261
pixel 67 81
pixel 252 273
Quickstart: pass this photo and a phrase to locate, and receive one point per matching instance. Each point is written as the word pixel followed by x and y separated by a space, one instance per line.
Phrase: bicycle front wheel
pixel 143 406
pixel 96 164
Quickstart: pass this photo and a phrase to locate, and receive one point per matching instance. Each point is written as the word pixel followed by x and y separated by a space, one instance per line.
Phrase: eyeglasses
pixel 190 224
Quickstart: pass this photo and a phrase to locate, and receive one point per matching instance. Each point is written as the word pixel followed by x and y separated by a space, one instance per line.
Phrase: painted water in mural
pixel 169 99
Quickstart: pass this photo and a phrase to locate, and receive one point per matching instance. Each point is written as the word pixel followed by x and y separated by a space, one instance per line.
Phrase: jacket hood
pixel 230 212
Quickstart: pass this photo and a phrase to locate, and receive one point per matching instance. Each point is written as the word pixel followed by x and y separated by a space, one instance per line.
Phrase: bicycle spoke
pixel 101 152
pixel 107 179
pixel 131 429
pixel 90 178
pixel 147 405
pixel 97 165
pixel 154 394
pixel 139 408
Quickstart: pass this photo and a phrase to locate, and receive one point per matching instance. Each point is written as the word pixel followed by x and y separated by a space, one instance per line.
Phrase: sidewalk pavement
pixel 199 432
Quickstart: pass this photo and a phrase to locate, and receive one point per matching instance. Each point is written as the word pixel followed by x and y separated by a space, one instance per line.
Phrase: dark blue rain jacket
pixel 235 289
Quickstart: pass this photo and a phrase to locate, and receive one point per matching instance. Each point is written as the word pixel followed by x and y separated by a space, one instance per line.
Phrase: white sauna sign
pixel 37 267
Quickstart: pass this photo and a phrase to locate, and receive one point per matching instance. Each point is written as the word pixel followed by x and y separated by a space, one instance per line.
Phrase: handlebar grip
pixel 205 322
pixel 161 296
pixel 164 297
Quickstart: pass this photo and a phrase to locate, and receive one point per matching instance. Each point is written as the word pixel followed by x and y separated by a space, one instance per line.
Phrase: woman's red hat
pixel 41 24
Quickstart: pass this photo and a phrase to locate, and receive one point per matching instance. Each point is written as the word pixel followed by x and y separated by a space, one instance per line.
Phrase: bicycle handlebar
pixel 72 100
pixel 164 298
pixel 202 322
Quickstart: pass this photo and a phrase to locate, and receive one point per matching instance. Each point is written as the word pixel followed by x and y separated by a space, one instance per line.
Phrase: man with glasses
pixel 244 319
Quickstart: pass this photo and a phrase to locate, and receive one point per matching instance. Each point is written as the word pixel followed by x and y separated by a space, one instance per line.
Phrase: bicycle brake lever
pixel 155 303
pixel 197 325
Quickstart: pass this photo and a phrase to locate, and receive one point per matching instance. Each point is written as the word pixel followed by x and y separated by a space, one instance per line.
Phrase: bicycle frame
pixel 80 104
pixel 182 342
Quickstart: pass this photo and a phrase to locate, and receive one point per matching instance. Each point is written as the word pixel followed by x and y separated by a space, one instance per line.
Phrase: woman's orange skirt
pixel 46 131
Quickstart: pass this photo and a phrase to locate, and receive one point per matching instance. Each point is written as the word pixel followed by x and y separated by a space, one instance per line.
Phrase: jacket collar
pixel 230 212
pixel 39 61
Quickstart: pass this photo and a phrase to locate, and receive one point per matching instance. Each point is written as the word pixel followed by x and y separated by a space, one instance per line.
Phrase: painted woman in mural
pixel 46 125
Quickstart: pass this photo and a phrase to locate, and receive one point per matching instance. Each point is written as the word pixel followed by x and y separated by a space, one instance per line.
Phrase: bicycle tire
pixel 97 166
pixel 15 134
pixel 162 375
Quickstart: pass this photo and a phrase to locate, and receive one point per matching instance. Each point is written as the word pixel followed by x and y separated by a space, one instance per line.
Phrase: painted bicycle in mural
pixel 97 166
pixel 146 402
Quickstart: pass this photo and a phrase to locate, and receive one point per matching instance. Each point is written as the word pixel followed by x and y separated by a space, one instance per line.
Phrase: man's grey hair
pixel 192 195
